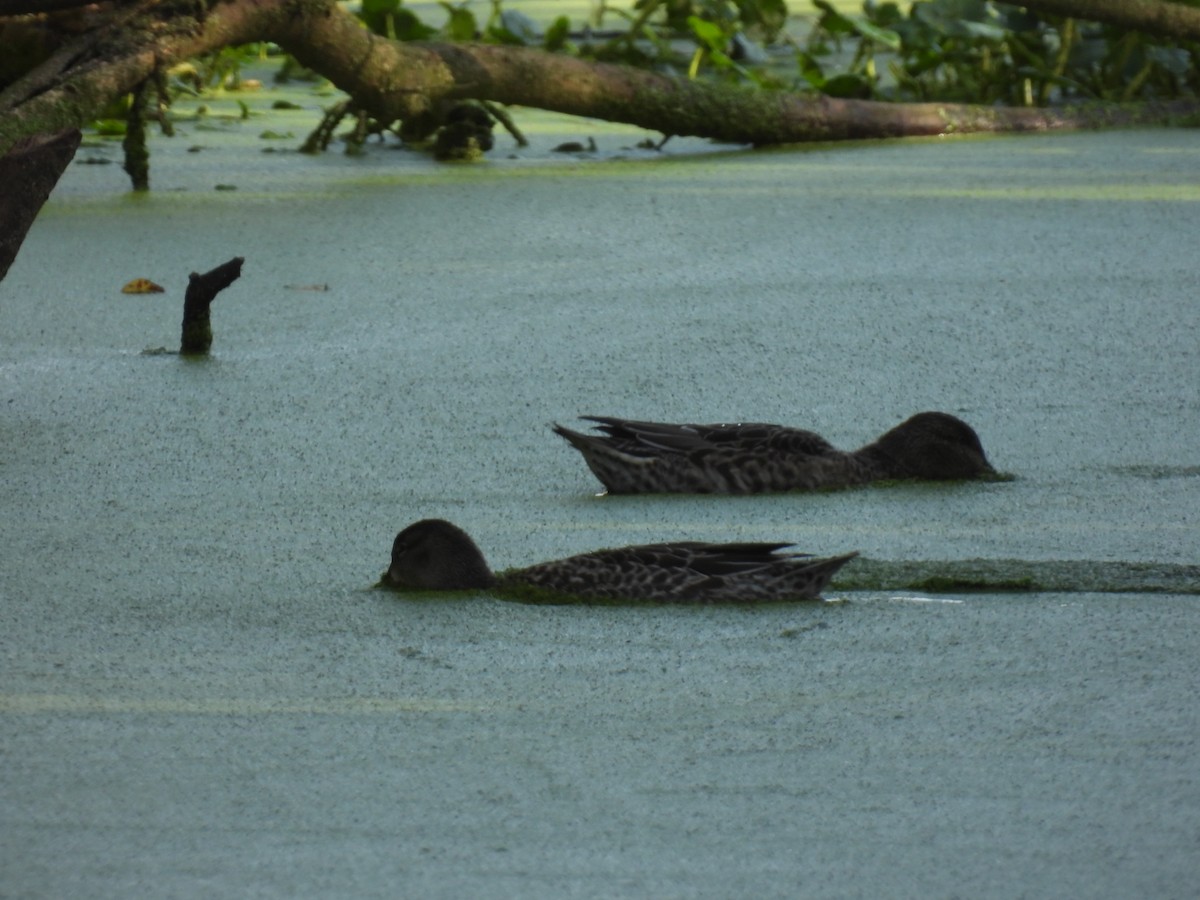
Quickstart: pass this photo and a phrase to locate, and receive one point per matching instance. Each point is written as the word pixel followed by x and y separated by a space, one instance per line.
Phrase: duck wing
pixel 651 438
pixel 634 457
pixel 686 572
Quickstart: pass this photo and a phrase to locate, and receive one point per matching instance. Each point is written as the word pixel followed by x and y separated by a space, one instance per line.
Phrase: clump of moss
pixel 939 584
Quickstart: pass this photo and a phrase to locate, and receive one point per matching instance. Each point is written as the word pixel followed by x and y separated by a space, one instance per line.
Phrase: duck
pixel 631 457
pixel 437 555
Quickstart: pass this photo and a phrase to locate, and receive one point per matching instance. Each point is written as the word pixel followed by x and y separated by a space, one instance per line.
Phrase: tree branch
pixel 28 172
pixel 394 80
pixel 196 332
pixel 27 7
pixel 1163 19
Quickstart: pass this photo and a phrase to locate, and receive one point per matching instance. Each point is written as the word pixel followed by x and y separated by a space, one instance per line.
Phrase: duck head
pixel 931 445
pixel 435 555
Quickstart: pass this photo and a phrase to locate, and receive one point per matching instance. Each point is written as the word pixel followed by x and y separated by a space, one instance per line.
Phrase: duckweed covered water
pixel 203 693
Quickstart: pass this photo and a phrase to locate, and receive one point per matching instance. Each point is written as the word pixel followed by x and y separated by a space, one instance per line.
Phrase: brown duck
pixel 651 457
pixel 435 555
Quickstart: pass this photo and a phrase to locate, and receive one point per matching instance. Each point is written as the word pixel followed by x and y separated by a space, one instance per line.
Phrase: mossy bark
pixel 137 154
pixel 197 336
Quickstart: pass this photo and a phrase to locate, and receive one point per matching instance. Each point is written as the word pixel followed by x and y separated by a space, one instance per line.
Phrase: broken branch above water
pixel 202 290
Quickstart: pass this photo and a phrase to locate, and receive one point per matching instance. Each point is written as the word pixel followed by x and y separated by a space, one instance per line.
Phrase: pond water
pixel 461 311
pixel 202 689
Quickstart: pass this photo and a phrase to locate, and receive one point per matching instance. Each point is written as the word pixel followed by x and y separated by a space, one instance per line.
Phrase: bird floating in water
pixel 632 457
pixel 435 555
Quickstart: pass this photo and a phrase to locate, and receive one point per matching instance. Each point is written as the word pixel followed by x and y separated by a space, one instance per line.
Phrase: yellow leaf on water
pixel 141 286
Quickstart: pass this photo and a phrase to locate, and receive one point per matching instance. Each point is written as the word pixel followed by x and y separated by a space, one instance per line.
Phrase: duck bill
pixel 388 580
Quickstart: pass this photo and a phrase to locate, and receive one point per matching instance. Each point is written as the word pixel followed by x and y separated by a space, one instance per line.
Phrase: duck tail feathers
pixel 820 572
pixel 574 438
pixel 615 468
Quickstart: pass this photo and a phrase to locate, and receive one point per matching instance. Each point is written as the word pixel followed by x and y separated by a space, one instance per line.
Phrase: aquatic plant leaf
pixel 831 20
pixel 512 27
pixel 1175 60
pixel 885 36
pixel 460 24
pixel 707 33
pixel 557 34
pixel 408 27
pixel 142 286
pixel 847 86
pixel 748 51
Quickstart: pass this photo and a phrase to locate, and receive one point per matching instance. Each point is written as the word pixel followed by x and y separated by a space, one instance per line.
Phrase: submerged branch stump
pixel 202 290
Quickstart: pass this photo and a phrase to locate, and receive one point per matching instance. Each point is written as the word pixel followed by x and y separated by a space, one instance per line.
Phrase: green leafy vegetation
pixel 984 52
pixel 966 51
pixel 973 51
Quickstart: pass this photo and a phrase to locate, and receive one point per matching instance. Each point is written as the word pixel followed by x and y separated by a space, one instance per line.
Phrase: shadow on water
pixel 1013 575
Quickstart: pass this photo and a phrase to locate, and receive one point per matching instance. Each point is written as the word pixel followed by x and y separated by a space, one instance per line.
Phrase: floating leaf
pixel 142 286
